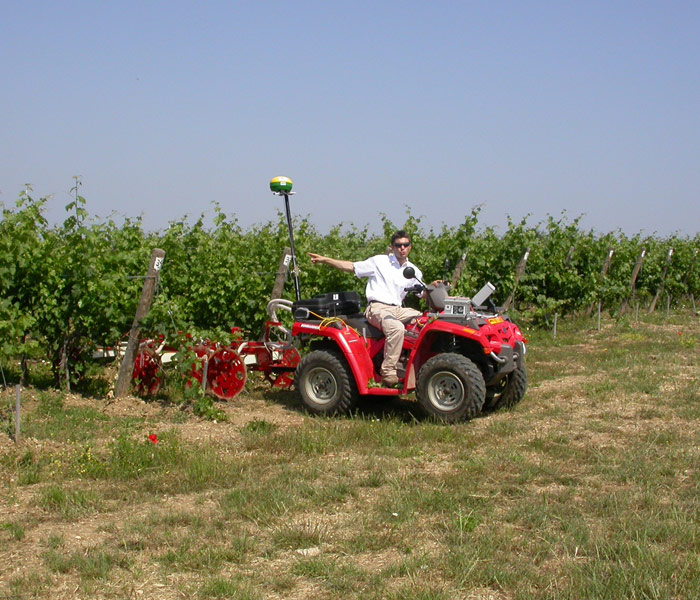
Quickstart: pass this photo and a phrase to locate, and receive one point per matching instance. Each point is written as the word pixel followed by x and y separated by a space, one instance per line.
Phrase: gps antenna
pixel 282 186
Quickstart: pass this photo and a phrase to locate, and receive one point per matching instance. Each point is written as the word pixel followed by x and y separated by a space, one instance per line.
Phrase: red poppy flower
pixel 153 438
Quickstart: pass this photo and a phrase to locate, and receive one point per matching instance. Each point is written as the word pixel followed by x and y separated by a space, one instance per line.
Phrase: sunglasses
pixel 402 245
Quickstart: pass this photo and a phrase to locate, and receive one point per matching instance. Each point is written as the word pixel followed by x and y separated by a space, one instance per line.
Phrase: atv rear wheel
pixel 451 388
pixel 510 392
pixel 325 383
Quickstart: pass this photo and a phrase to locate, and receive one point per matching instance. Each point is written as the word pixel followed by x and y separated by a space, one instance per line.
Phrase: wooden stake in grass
pixel 652 306
pixel 687 278
pixel 520 269
pixel 280 279
pixel 458 270
pixel 17 412
pixel 282 273
pixel 147 292
pixel 633 280
pixel 601 277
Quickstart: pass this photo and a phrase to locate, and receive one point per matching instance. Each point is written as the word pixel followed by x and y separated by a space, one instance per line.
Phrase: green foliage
pixel 65 288
pixel 68 288
pixel 22 238
pixel 183 385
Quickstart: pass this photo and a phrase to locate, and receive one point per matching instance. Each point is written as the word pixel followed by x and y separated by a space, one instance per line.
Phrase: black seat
pixel 360 323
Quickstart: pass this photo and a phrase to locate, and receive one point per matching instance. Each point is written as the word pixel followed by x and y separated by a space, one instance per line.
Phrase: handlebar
pixel 416 289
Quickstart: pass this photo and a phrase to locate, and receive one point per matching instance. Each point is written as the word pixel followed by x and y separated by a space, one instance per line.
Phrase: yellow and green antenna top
pixel 281 185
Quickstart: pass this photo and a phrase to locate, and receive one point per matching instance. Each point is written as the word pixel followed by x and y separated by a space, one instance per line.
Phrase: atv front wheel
pixel 325 383
pixel 451 388
pixel 510 392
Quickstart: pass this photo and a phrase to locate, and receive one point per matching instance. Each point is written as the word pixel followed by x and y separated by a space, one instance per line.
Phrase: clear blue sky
pixel 370 107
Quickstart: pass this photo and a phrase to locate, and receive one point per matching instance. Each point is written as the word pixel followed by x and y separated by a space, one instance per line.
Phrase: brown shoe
pixel 390 380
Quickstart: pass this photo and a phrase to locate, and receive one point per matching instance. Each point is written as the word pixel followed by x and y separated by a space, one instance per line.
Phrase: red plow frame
pixel 222 370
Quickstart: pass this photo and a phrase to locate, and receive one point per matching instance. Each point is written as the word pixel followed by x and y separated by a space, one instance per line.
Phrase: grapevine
pixel 67 288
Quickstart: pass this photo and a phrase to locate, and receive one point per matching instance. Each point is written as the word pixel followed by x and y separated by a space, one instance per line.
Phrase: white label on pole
pixel 527 255
pixel 287 259
pixel 611 253
pixel 158 263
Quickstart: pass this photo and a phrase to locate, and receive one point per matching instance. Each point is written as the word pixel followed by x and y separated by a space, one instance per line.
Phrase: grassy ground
pixel 588 489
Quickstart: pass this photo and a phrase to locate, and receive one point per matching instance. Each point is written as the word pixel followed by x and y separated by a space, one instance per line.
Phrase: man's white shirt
pixel 386 281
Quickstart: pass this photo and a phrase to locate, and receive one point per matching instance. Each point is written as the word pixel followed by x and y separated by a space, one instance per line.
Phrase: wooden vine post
pixel 458 270
pixel 601 277
pixel 633 280
pixel 686 279
pixel 147 292
pixel 280 279
pixel 282 273
pixel 652 306
pixel 520 269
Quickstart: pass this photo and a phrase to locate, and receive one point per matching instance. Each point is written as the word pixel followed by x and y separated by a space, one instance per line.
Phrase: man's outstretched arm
pixel 343 265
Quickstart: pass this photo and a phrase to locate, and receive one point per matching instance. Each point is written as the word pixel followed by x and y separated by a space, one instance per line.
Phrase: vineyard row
pixel 68 287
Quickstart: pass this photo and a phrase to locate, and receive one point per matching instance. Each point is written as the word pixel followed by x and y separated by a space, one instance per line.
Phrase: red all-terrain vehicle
pixel 459 356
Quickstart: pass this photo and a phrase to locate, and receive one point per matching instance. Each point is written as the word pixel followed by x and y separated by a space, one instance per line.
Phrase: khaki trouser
pixel 390 319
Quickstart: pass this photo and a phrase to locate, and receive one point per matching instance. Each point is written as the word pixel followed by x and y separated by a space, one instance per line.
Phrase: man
pixel 386 289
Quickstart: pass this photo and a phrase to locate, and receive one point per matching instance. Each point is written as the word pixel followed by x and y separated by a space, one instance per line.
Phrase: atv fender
pixel 349 342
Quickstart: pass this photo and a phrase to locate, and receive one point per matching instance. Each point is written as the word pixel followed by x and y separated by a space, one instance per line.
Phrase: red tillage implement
pixel 222 370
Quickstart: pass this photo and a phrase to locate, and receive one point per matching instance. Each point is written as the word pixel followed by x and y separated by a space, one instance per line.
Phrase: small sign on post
pixel 147 292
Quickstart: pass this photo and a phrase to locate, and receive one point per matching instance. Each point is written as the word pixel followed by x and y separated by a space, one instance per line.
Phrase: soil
pixel 18 504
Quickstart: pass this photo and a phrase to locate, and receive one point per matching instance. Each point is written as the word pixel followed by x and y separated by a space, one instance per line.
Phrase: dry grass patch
pixel 588 489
